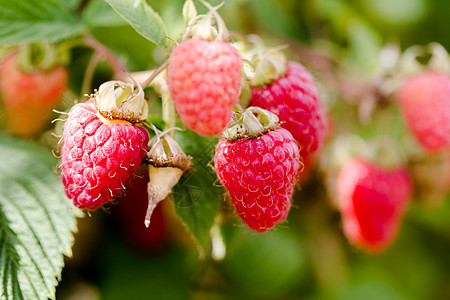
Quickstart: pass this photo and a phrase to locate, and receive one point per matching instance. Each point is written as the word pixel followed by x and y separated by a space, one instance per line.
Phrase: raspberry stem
pixel 168 107
pixel 169 114
pixel 155 73
pixel 119 69
pixel 89 74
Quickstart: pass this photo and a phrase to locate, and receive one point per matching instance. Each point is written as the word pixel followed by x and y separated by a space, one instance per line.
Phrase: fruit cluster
pixel 262 149
pixel 266 138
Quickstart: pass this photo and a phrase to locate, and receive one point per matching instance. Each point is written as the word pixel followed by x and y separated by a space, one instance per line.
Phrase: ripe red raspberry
pixel 29 98
pixel 372 201
pixel 102 149
pixel 98 157
pixel 204 79
pixel 425 103
pixel 295 100
pixel 259 173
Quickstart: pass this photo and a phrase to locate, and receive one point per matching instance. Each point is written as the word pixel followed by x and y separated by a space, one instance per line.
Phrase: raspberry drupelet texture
pixel 98 156
pixel 259 174
pixel 425 103
pixel 295 100
pixel 372 201
pixel 204 79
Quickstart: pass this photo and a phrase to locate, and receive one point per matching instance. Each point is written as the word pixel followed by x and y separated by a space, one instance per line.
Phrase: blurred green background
pixel 308 257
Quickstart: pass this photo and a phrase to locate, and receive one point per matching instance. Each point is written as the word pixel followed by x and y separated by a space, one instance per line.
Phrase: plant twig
pixel 168 111
pixel 89 74
pixel 155 73
pixel 118 68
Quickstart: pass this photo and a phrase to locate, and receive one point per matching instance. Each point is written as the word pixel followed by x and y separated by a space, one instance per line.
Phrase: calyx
pixel 209 26
pixel 251 123
pixel 266 64
pixel 167 163
pixel 120 100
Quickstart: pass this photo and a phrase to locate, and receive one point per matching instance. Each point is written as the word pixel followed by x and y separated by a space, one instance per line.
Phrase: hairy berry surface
pixel 295 100
pixel 204 79
pixel 372 202
pixel 259 175
pixel 98 158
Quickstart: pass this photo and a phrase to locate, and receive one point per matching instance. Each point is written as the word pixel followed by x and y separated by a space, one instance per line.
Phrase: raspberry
pixel 294 99
pixel 372 201
pixel 259 173
pixel 28 98
pixel 98 157
pixel 204 79
pixel 101 152
pixel 425 103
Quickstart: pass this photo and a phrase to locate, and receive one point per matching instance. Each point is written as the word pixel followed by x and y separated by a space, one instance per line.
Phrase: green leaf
pixel 197 197
pixel 99 14
pixel 37 20
pixel 189 11
pixel 143 19
pixel 36 222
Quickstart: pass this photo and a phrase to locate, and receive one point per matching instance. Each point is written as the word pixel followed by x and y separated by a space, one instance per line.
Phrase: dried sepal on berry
pixel 250 123
pixel 167 163
pixel 410 63
pixel 267 64
pixel 120 100
pixel 209 26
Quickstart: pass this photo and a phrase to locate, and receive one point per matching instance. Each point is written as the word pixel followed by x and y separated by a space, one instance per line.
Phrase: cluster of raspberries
pixel 204 77
pixel 262 149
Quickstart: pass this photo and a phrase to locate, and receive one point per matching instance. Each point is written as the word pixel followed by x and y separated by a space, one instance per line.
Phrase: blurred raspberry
pixel 29 98
pixel 425 103
pixel 372 201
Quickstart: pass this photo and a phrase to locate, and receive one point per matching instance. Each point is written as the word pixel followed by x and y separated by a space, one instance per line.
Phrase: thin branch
pixel 89 74
pixel 155 73
pixel 118 68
